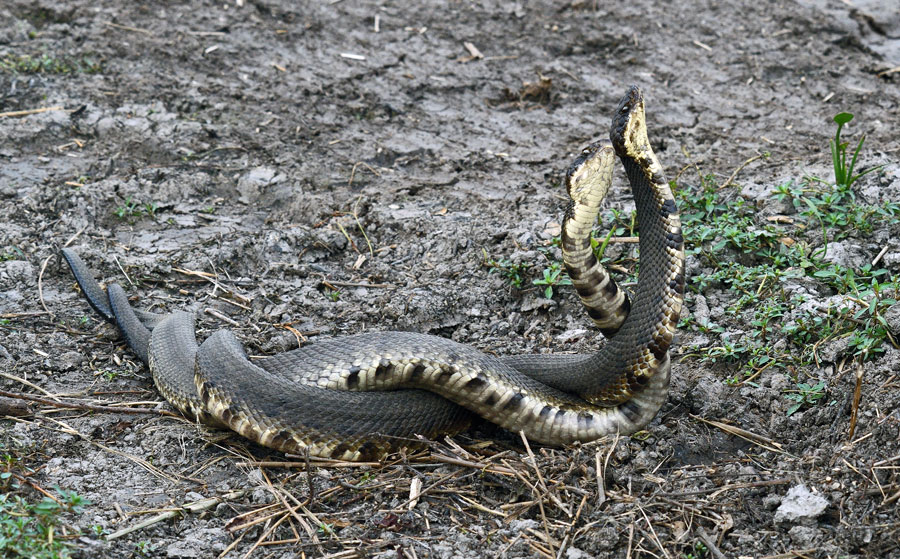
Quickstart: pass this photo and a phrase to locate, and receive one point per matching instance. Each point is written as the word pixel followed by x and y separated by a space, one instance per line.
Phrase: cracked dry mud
pixel 344 167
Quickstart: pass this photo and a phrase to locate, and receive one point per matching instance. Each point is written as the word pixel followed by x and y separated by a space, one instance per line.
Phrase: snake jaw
pixel 590 175
pixel 627 121
pixel 629 132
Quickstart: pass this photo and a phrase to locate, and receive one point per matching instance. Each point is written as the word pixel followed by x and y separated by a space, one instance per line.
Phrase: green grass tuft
pixel 36 530
pixel 789 301
pixel 47 64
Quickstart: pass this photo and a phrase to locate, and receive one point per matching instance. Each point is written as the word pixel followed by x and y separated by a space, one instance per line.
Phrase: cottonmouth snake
pixel 359 397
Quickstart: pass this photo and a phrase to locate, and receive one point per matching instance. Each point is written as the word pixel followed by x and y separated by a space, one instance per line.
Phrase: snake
pixel 362 396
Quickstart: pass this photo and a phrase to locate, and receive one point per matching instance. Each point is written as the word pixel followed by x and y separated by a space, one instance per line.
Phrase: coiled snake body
pixel 359 397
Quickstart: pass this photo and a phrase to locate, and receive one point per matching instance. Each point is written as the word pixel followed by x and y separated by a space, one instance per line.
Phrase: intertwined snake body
pixel 359 397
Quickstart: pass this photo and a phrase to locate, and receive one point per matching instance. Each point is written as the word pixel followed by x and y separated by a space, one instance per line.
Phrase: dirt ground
pixel 311 169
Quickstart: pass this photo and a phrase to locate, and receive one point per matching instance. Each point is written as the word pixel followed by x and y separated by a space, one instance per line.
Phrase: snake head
pixel 593 164
pixel 629 131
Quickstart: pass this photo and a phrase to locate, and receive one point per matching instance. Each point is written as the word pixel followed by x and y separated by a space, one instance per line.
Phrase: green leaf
pixel 46 507
pixel 842 118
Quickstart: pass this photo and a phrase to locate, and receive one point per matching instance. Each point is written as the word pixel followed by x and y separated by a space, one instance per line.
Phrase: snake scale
pixel 359 397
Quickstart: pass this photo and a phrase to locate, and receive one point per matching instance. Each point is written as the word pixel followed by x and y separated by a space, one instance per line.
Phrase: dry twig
pixel 194 507
pixel 30 111
pixel 84 406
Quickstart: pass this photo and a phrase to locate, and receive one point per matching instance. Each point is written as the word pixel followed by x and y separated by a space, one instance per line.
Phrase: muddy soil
pixel 301 170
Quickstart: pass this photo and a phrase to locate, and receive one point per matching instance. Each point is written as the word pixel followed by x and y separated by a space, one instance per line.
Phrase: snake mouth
pixel 632 98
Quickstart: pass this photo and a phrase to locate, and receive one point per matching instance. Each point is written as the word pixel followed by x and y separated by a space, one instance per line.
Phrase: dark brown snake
pixel 359 397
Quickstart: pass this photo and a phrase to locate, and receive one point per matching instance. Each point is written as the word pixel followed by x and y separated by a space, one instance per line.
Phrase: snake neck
pixel 637 352
pixel 660 289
